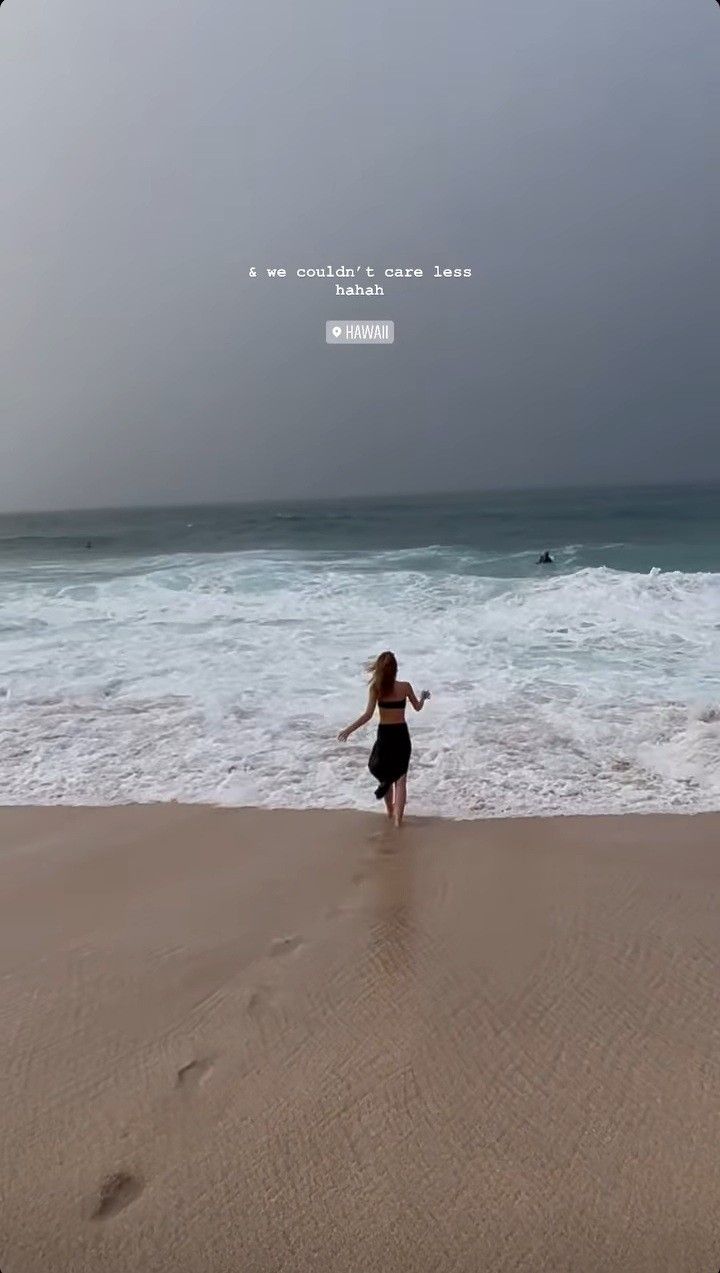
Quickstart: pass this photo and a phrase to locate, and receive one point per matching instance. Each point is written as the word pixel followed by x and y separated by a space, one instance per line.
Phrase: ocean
pixel 213 653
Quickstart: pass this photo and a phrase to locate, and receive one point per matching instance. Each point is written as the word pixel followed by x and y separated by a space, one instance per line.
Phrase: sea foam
pixel 225 678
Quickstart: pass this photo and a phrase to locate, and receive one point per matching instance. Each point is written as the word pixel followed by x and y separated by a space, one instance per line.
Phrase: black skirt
pixel 390 756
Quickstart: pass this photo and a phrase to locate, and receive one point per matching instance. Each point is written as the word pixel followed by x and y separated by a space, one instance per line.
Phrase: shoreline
pixel 284 1040
pixel 370 811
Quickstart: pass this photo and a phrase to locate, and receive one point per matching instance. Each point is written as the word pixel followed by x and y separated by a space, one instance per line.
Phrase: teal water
pixel 500 533
pixel 212 653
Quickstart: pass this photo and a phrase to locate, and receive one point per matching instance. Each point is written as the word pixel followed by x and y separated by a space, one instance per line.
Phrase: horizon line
pixel 691 483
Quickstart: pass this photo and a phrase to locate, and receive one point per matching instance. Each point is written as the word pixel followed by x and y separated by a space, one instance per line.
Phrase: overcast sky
pixel 151 153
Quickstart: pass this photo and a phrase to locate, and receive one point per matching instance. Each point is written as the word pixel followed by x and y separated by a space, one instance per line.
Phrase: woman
pixel 390 757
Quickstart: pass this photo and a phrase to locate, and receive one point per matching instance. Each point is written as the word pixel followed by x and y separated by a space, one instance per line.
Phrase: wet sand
pixel 236 1040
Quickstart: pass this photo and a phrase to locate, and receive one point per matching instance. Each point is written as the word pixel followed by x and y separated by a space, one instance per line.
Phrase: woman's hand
pixel 344 735
pixel 425 695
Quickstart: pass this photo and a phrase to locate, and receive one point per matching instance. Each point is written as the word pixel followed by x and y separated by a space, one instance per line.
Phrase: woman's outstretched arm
pixel 361 720
pixel 417 702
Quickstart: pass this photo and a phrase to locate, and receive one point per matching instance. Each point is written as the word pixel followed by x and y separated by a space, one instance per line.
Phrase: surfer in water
pixel 390 756
pixel 545 559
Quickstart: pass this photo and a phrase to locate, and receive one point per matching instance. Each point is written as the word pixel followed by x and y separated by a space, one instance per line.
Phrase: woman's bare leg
pixel 390 801
pixel 400 798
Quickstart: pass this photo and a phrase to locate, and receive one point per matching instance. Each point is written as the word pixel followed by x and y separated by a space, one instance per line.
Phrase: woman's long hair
pixel 382 672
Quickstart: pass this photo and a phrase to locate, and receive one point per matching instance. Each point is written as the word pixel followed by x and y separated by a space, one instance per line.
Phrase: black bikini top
pixel 397 704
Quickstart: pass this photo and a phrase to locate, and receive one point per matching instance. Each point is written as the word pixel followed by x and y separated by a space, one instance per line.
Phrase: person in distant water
pixel 545 559
pixel 390 756
pixel 88 543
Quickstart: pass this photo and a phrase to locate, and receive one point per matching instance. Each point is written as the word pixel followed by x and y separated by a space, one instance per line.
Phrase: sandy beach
pixel 237 1040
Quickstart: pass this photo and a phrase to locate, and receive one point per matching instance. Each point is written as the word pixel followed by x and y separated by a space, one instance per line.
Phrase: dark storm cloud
pixel 152 153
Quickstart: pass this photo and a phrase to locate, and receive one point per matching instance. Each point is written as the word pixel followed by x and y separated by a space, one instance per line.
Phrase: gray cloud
pixel 152 154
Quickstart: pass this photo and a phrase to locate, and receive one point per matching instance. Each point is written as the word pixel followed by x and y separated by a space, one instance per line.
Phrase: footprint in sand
pixel 116 1193
pixel 258 1002
pixel 385 841
pixel 190 1076
pixel 285 945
